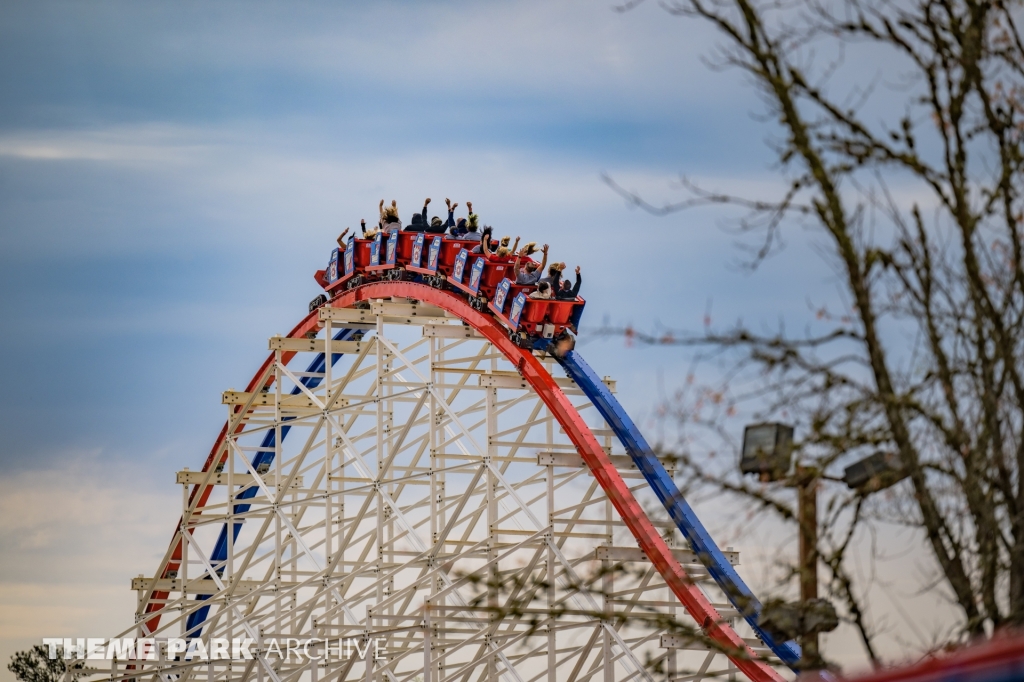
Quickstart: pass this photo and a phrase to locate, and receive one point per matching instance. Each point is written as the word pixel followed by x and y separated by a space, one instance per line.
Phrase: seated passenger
pixel 527 251
pixel 451 213
pixel 389 220
pixel 569 293
pixel 368 233
pixel 341 238
pixel 504 244
pixel 554 275
pixel 485 238
pixel 479 249
pixel 543 291
pixel 527 271
pixel 472 223
pixel 496 252
pixel 419 220
pixel 436 226
pixel 463 228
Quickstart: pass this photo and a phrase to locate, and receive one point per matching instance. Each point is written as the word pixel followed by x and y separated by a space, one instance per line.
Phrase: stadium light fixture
pixel 767 450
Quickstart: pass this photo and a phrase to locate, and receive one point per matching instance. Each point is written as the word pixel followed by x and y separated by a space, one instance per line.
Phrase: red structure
pixel 998 660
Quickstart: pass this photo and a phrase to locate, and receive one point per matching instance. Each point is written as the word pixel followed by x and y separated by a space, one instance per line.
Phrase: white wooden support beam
pixel 187 477
pixel 510 379
pixel 672 641
pixel 411 309
pixel 499 379
pixel 199 586
pixel 450 331
pixel 288 401
pixel 573 460
pixel 358 318
pixel 303 345
pixel 683 556
pixel 344 316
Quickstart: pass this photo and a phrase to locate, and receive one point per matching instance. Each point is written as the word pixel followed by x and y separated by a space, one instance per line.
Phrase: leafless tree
pixel 911 176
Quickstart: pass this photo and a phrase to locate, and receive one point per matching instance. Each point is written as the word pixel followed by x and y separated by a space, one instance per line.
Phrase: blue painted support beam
pixel 722 572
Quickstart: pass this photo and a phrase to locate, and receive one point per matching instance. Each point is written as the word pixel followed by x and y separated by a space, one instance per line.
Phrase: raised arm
pixel 544 261
pixel 451 212
pixel 485 241
pixel 341 238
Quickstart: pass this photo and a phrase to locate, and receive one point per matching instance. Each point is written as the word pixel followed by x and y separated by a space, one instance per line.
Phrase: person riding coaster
pixel 558 307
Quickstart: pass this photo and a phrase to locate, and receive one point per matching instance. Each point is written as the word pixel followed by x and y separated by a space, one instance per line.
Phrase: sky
pixel 172 174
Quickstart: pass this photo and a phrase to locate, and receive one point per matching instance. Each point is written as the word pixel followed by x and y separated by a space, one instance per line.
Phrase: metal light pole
pixel 767 452
pixel 806 484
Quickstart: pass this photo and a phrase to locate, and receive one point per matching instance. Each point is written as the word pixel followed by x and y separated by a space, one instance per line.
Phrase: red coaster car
pixel 530 319
pixel 439 262
pixel 535 312
pixel 492 275
pixel 362 253
pixel 449 252
pixel 395 253
pixel 560 312
pixel 405 243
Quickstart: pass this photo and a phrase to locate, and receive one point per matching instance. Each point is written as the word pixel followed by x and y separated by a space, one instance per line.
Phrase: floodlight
pixel 767 450
pixel 875 472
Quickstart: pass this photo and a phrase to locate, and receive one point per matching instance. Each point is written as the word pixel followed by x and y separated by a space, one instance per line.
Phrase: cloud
pixel 85 520
pixel 145 145
pixel 171 176
pixel 451 53
pixel 73 536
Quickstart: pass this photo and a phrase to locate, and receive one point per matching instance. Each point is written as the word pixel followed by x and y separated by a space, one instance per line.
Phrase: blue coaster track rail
pixel 722 572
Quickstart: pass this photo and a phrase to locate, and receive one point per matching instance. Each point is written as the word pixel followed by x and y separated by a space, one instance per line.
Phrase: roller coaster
pixel 448 476
pixel 448 480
